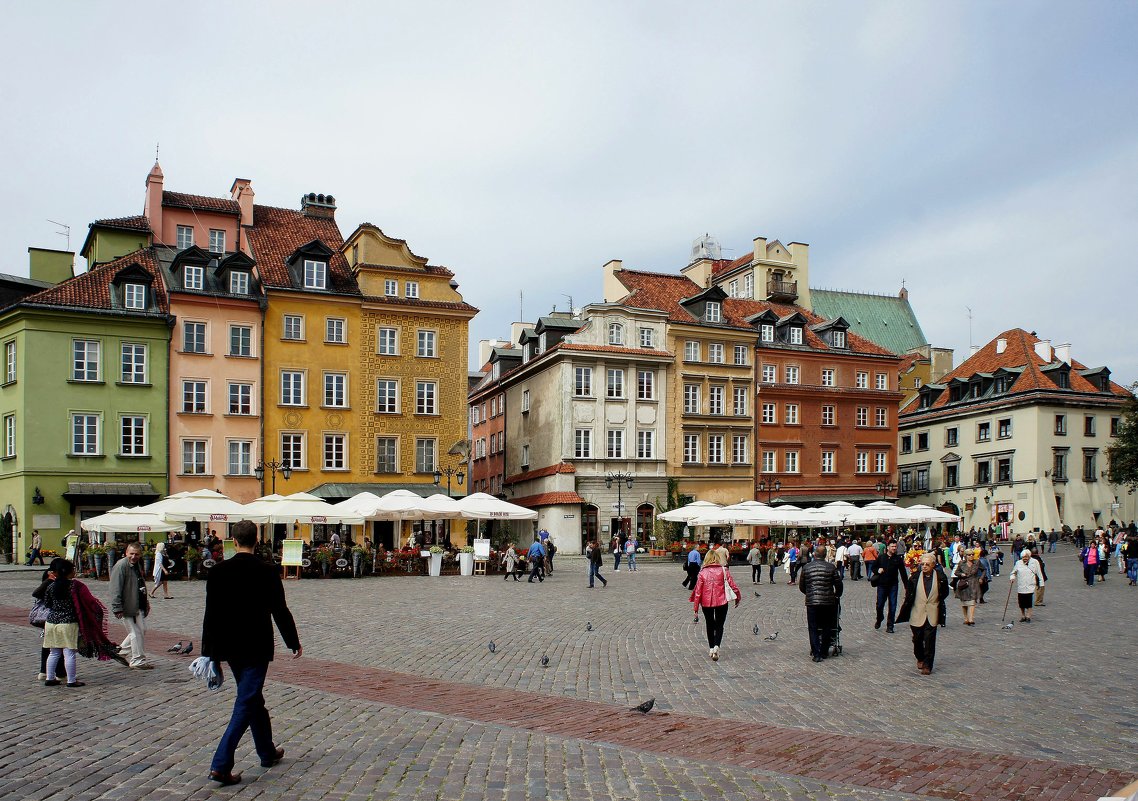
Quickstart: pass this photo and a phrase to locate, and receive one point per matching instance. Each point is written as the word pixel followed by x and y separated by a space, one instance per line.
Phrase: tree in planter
pixel 1123 452
pixel 192 557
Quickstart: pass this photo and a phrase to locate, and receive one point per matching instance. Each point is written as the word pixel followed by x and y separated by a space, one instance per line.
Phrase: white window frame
pixel 195 396
pixel 525 401
pixel 862 380
pixel 335 445
pixel 826 463
pixel 770 462
pixel 195 457
pixel 390 288
pixel 216 240
pixel 242 344
pixel 693 399
pixel 9 435
pixel 646 385
pixel 715 453
pixel 713 312
pixel 795 335
pixel 840 339
pixel 135 362
pixel 770 414
pixel 583 443
pixel 881 462
pixel 790 461
pixel 293 327
pixel 190 339
pixel 427 397
pixel 426 344
pixel 715 400
pixel 766 332
pixel 387 396
pixel 387 341
pixel 239 457
pixel 616 334
pixel 134 296
pixel 294 449
pixel 741 355
pixel 239 282
pixel 240 398
pixel 411 289
pixel 385 456
pixel 193 277
pixel 614 383
pixel 646 444
pixel 770 374
pixel 184 237
pixel 315 274
pixel 426 448
pixel 881 381
pixel 715 354
pixel 92 350
pixel 336 330
pixel 647 338
pixel 829 414
pixel 861 416
pixel 861 462
pixel 791 412
pixel 583 382
pixel 828 376
pixel 739 449
pixel 691 351
pixel 792 373
pixel 881 417
pixel 10 361
pixel 335 390
pixel 749 285
pixel 614 443
pixel 293 388
pixel 92 424
pixel 739 404
pixel 691 449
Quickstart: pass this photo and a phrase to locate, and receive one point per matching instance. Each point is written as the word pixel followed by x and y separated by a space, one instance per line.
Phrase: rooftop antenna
pixel 156 144
pixel 66 232
pixel 570 302
pixel 969 326
pixel 521 306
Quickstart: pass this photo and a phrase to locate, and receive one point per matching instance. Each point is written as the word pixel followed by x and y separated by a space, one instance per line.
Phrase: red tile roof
pixel 542 472
pixel 664 292
pixel 92 290
pixel 430 269
pixel 221 205
pixel 419 303
pixel 908 360
pixel 136 223
pixel 611 349
pixel 721 266
pixel 548 499
pixel 277 233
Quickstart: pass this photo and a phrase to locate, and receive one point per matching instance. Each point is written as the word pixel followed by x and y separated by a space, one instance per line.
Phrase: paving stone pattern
pixel 398 697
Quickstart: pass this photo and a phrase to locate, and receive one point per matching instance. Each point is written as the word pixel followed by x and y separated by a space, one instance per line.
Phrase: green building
pixel 110 238
pixel 84 399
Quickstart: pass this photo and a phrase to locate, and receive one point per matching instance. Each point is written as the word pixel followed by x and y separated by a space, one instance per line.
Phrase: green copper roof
pixel 884 319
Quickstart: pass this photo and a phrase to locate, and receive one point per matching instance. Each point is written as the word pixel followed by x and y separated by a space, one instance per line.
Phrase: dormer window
pixel 766 333
pixel 795 335
pixel 194 276
pixel 1062 380
pixel 1003 384
pixel 616 334
pixel 239 283
pixel 134 296
pixel 216 241
pixel 315 274
pixel 839 339
pixel 713 313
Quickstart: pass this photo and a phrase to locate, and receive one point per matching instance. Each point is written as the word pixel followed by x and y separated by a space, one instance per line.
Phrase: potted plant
pixel 359 553
pixel 466 560
pixel 437 552
pixel 98 555
pixel 191 556
pixel 148 560
pixel 322 555
pixel 112 550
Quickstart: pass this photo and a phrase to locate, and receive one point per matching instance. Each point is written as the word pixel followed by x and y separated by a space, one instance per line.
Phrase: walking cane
pixel 1008 601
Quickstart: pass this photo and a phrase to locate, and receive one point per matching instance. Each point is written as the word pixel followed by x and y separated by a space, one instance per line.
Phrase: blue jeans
pixel 1132 569
pixel 595 572
pixel 631 557
pixel 249 712
pixel 890 594
pixel 616 560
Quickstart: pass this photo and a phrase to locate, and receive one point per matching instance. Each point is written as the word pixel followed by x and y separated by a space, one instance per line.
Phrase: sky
pixel 985 154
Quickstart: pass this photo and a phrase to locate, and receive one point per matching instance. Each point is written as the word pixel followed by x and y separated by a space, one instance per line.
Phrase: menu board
pixel 292 553
pixel 481 549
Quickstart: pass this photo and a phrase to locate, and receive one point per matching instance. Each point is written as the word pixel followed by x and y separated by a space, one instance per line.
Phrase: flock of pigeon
pixel 183 648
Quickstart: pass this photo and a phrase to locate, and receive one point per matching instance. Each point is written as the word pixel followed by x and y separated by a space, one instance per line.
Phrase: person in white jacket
pixel 1027 576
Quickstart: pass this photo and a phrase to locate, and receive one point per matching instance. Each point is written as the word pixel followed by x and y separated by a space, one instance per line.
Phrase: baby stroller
pixel 836 635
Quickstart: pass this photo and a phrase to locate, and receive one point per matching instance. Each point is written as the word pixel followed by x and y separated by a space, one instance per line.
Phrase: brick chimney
pixel 152 207
pixel 314 205
pixel 242 192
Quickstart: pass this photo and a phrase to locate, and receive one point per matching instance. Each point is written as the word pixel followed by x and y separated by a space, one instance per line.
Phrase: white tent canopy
pixel 480 506
pixel 203 505
pixel 300 507
pixel 685 514
pixel 129 521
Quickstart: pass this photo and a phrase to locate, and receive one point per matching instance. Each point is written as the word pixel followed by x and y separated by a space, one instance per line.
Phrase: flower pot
pixel 190 570
pixel 99 565
pixel 112 557
pixel 357 565
pixel 324 568
pixel 466 564
pixel 148 565
pixel 436 564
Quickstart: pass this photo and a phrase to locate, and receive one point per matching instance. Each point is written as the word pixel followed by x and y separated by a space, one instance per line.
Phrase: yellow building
pixel 922 365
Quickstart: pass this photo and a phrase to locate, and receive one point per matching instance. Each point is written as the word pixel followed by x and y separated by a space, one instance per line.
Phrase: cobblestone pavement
pixel 357 717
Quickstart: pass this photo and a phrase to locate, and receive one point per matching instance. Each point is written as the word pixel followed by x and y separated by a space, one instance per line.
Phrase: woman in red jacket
pixel 711 593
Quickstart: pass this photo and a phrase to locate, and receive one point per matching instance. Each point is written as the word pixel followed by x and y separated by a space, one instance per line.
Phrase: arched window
pixel 616 334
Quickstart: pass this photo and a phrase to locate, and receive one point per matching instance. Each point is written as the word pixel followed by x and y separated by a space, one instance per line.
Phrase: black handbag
pixel 38 614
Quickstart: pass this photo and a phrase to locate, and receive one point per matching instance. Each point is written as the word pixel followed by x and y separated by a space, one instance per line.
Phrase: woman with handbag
pixel 966 580
pixel 38 618
pixel 61 631
pixel 162 567
pixel 714 590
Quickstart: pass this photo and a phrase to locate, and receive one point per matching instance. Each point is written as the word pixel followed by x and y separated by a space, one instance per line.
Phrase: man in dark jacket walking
pixel 924 610
pixel 889 575
pixel 243 597
pixel 820 582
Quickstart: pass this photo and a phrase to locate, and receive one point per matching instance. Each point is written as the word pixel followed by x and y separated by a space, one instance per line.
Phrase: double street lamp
pixel 620 479
pixel 769 487
pixel 273 466
pixel 885 487
pixel 448 472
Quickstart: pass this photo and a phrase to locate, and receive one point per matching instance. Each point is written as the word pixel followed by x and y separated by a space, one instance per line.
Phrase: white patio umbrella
pixel 920 513
pixel 480 506
pixel 129 521
pixel 685 514
pixel 441 507
pixel 300 507
pixel 362 503
pixel 203 505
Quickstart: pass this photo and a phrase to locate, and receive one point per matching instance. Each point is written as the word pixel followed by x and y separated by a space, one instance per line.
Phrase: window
pixel 645 444
pixel 335 330
pixel 425 456
pixel 769 462
pixel 615 443
pixel 1089 471
pixel 740 354
pixel 770 373
pixel 714 401
pixel 951 476
pixel 426 345
pixel 133 436
pixel 691 351
pixel 133 363
pixel 194 397
pixel 583 382
pixel 713 312
pixel 193 337
pixel 292 388
pixel 9 435
pixel 827 376
pixel 984 472
pixel 185 237
pixel 240 457
pixel 426 394
pixel 1059 466
pixel 335 452
pixel 983 432
pixel 134 296
pixel 293 452
pixel 525 401
pixel 216 242
pixel 293 326
pixel 881 417
pixel 336 390
pixel 691 448
pixel 791 372
pixel 862 462
pixel 715 449
pixel 240 340
pixel 839 339
pixel 733 289
pixel 1004 469
pixel 923 441
pixel 739 449
pixel 193 457
pixel 827 462
pixel 861 417
pixel 880 462
pixel 906 483
pixel 790 462
pixel 647 340
pixel 583 443
pixel 881 381
pixel 769 413
pixel 1061 425
pixel 240 398
pixel 922 479
pixel 387 397
pixel 795 335
pixel 1089 426
pixel 692 402
pixel 315 274
pixel 645 385
pixel 766 332
pixel 740 405
pixel 387 341
pixel 917 382
pixel 411 289
pixel 85 434
pixel 386 460
pixel 715 353
pixel 951 437
pixel 749 285
pixel 1115 422
pixel 390 288
pixel 791 414
pixel 907 443
pixel 828 415
pixel 614 387
pixel 1003 428
pixel 9 362
pixel 194 277
pixel 862 380
pixel 239 282
pixel 616 334
pixel 85 362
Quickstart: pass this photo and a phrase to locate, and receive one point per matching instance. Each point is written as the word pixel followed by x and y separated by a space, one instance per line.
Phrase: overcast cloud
pixel 984 153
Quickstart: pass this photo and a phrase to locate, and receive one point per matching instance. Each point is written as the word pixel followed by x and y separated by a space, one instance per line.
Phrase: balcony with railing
pixel 784 291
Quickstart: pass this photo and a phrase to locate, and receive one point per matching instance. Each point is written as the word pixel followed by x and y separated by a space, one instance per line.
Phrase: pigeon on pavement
pixel 757 594
pixel 588 627
pixel 544 660
pixel 756 629
pixel 645 707
pixel 492 646
pixel 696 619
pixel 1009 626
pixel 189 649
pixel 176 647
pixel 771 637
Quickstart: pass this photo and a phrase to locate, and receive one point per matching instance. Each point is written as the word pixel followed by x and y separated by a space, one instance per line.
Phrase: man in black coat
pixel 924 610
pixel 243 597
pixel 889 574
pixel 820 582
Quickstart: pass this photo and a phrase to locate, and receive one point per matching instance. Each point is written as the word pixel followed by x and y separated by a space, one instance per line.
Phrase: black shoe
pixel 817 659
pixel 530 581
pixel 277 756
pixel 52 683
pixel 76 684
pixel 225 779
pixel 877 625
pixel 889 630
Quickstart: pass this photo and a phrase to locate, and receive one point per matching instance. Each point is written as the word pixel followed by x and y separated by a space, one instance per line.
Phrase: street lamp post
pixel 619 478
pixel 885 487
pixel 769 487
pixel 448 472
pixel 272 466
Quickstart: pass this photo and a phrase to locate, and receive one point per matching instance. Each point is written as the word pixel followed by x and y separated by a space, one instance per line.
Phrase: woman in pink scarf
pixel 710 593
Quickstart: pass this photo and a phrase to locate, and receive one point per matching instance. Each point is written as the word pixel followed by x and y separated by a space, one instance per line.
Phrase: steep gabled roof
pixel 278 233
pixel 92 290
pixel 887 320
pixel 137 222
pixel 217 205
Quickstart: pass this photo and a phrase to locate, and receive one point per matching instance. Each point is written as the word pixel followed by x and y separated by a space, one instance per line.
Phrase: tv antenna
pixel 570 302
pixel 969 326
pixel 66 232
